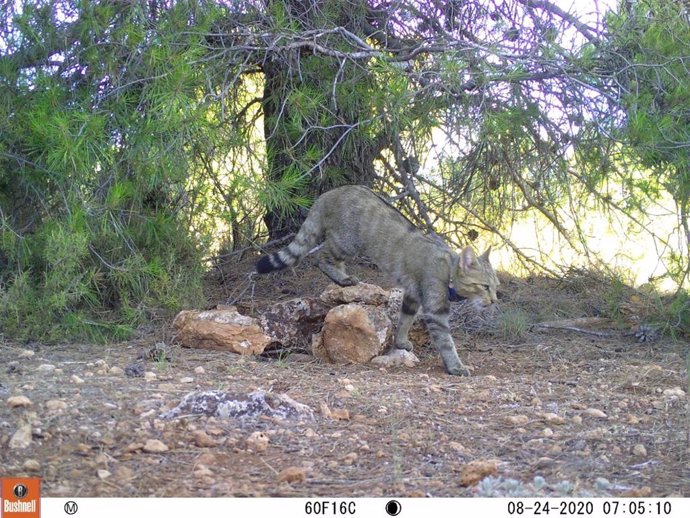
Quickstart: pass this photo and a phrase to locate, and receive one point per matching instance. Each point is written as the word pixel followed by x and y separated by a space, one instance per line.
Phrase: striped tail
pixel 307 238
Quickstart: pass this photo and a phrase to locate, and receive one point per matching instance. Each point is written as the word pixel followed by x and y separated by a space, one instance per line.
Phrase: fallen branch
pixel 576 324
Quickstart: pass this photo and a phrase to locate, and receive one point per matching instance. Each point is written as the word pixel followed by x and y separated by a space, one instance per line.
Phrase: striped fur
pixel 353 220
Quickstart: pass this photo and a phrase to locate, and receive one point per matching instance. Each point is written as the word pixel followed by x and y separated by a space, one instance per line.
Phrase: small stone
pixel 155 446
pixel 21 438
pixel 350 458
pixel 104 473
pixel 45 368
pixel 639 450
pixel 293 474
pixel 124 474
pixel 576 419
pixel 517 420
pixel 258 441
pixel 199 370
pixel 675 391
pixel 212 459
pixel 19 402
pixel 134 370
pixel 543 462
pixel 642 492
pixel 202 471
pixel 76 379
pixel 456 446
pixel 310 434
pixel 632 419
pixel 26 353
pixel 552 418
pixel 116 371
pixel 203 440
pixel 32 465
pixel 56 405
pixel 476 470
pixel 340 414
pixel 595 412
pixel 325 410
pixel 547 432
pixel 396 358
pixel 597 433
pixel 150 376
pixel 187 380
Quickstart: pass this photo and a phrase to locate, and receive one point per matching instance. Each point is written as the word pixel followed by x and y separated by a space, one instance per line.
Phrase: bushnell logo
pixel 21 498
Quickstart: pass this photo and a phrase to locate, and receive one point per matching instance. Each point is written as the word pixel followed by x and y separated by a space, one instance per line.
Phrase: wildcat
pixel 353 220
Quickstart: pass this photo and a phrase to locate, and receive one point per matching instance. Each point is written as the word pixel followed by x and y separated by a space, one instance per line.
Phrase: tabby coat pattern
pixel 353 220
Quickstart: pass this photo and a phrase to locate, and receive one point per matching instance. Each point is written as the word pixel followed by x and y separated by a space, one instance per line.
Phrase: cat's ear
pixel 467 258
pixel 485 255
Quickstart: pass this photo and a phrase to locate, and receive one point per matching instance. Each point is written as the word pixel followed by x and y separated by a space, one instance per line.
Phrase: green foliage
pixel 675 317
pixel 93 232
pixel 285 194
pixel 651 37
pixel 512 324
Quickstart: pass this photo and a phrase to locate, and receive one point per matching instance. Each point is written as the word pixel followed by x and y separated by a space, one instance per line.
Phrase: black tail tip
pixel 264 265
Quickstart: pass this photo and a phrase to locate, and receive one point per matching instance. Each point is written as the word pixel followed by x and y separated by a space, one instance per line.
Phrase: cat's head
pixel 475 278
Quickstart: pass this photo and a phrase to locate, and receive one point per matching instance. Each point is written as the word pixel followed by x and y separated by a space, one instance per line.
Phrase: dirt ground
pixel 551 413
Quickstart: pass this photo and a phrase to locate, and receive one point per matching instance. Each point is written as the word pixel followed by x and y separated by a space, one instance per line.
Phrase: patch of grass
pixel 513 324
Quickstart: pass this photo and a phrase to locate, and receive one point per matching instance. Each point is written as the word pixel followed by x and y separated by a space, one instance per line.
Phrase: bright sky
pixel 586 7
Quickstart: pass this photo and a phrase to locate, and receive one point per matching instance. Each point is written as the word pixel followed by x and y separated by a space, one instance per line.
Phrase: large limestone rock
pixel 254 405
pixel 222 329
pixel 353 333
pixel 292 323
pixel 362 293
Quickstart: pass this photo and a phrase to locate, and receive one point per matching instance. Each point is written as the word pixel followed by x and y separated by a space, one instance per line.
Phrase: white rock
pixel 396 358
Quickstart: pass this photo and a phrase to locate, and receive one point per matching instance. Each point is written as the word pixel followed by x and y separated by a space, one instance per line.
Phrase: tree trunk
pixel 327 150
